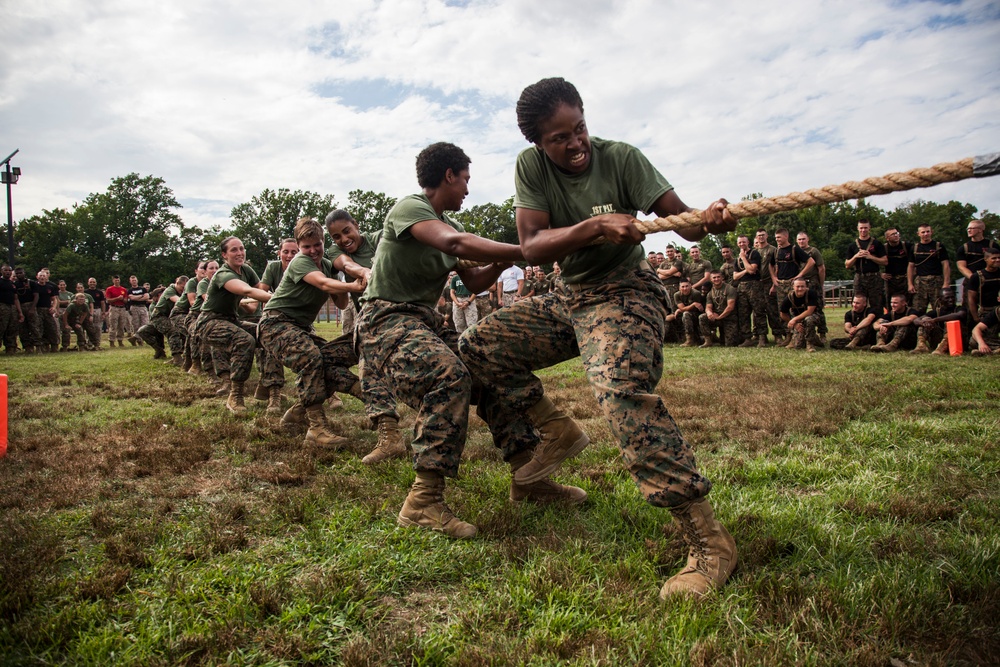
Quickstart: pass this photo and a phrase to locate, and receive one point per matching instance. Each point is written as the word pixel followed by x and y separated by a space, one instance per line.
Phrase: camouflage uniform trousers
pixel 94 328
pixel 905 337
pixel 751 300
pixel 163 329
pixel 616 328
pixel 198 349
pixel 411 347
pixel 508 299
pixel 808 333
pixel 783 289
pixel 178 337
pixel 322 367
pixel 232 338
pixel 873 287
pixel 821 327
pixel 378 398
pixel 9 326
pixel 771 309
pixel 118 323
pixel 483 306
pixel 138 316
pixel 928 291
pixel 272 373
pixel 47 331
pixel 464 317
pixel 864 336
pixel 348 316
pixel 728 327
pixel 28 329
pixel 897 285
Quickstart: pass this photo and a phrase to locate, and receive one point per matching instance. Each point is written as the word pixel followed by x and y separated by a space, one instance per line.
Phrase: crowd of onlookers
pixel 903 297
pixel 903 293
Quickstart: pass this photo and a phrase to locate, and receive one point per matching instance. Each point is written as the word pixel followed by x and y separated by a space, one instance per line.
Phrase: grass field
pixel 141 524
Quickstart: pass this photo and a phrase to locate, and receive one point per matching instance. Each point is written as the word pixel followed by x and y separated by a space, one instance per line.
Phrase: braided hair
pixel 540 100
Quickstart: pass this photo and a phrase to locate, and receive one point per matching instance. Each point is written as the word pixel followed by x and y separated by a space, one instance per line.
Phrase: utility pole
pixel 10 177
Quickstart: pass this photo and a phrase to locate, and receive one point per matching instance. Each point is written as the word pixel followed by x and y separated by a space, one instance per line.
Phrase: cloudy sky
pixel 224 99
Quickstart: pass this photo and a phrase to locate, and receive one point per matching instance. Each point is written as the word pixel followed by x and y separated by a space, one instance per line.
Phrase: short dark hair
pixel 435 161
pixel 540 100
pixel 338 215
pixel 990 250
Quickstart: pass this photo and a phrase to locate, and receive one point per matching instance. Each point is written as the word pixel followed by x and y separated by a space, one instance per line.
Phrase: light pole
pixel 10 177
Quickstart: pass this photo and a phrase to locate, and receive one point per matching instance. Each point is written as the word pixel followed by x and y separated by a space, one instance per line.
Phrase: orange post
pixel 3 415
pixel 954 329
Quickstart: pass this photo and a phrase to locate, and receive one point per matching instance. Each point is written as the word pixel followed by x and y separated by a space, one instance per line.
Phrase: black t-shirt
pixel 794 305
pixel 899 258
pixel 753 257
pixel 866 265
pixel 889 317
pixel 789 260
pixel 992 318
pixel 929 258
pixel 25 290
pixel 8 292
pixel 45 294
pixel 972 253
pixel 987 283
pixel 98 297
pixel 137 291
pixel 854 319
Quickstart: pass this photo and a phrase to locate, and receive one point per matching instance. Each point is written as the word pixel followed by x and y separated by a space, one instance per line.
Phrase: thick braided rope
pixel 922 177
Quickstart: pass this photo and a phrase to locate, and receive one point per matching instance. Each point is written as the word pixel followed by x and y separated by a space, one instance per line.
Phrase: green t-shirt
pixel 90 299
pixel 272 274
pixel 164 305
pixel 75 312
pixel 183 306
pixel 199 295
pixel 461 291
pixel 619 179
pixel 297 298
pixel 222 301
pixel 65 296
pixel 363 256
pixel 405 270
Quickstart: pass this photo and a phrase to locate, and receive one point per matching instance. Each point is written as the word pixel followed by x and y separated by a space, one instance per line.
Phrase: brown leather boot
pixel 294 421
pixel 176 360
pixel 261 393
pixel 688 341
pixel 711 551
pixel 235 400
pixel 319 432
pixel 391 443
pixel 225 386
pixel 922 347
pixel 274 400
pixel 424 507
pixel 708 342
pixel 762 341
pixel 562 438
pixel 544 490
pixel 195 366
pixel 749 342
pixel 942 347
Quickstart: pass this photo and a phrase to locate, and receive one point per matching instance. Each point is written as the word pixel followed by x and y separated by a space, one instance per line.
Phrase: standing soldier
pixel 767 276
pixel 897 252
pixel 982 289
pixel 867 257
pixel 27 297
pixel 698 270
pixel 816 279
pixel 10 310
pixel 138 307
pixel 118 320
pixel 929 271
pixel 790 264
pixel 728 266
pixel 670 272
pixel 751 294
pixel 48 306
pixel 969 257
pixel 100 310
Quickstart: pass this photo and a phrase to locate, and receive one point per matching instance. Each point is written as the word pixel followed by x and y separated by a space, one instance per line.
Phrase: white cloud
pixel 225 99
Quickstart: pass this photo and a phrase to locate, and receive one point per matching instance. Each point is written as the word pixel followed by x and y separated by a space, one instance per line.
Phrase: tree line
pixel 134 228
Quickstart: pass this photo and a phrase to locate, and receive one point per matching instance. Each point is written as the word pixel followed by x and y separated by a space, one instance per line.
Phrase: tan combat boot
pixel 762 341
pixel 562 438
pixel 424 508
pixel 224 387
pixel 294 421
pixel 708 341
pixel 195 366
pixel 261 393
pixel 319 433
pixel 688 341
pixel 391 443
pixel 749 342
pixel 176 360
pixel 356 392
pixel 274 400
pixel 922 347
pixel 235 400
pixel 711 551
pixel 942 347
pixel 544 490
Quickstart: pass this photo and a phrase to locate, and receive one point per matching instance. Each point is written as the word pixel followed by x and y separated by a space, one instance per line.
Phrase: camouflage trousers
pixel 233 339
pixel 807 331
pixel 897 285
pixel 821 327
pixel 410 346
pixel 928 291
pixel 347 317
pixel 81 335
pixel 323 367
pixel 378 398
pixel 178 337
pixel 28 329
pixel 464 317
pixel 728 328
pixel 873 287
pixel 197 348
pixel 9 325
pixel 783 289
pixel 47 331
pixel 905 337
pixel 272 373
pixel 751 300
pixel 118 323
pixel 616 327
pixel 94 328
pixel 162 328
pixel 483 306
pixel 138 316
pixel 771 309
pixel 863 336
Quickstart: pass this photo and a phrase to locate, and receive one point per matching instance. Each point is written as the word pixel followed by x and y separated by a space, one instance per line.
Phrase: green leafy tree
pixel 270 216
pixel 39 238
pixel 369 208
pixel 491 221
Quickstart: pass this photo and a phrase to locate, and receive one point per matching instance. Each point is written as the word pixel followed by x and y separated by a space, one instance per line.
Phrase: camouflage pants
pixel 751 300
pixel 771 308
pixel 508 299
pixel 616 328
pixel 28 329
pixel 178 337
pixel 94 328
pixel 163 328
pixel 728 327
pixel 138 316
pixel 872 286
pixel 347 317
pixel 783 290
pixel 48 331
pixel 464 317
pixel 689 320
pixel 379 401
pixel 807 333
pixel 821 327
pixel 323 367
pixel 864 336
pixel 198 349
pixel 928 291
pixel 118 323
pixel 9 326
pixel 234 340
pixel 410 346
pixel 483 306
pixel 904 337
pixel 81 336
pixel 897 285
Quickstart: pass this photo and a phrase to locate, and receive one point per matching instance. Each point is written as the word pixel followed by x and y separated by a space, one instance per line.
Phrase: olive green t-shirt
pixel 297 298
pixel 222 301
pixel 363 256
pixel 619 179
pixel 75 312
pixel 404 269
pixel 461 291
pixel 720 298
pixel 183 306
pixel 164 305
pixel 695 271
pixel 272 274
pixel 199 295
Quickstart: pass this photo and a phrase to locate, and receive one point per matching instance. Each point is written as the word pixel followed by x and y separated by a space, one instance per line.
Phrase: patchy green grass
pixel 141 524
